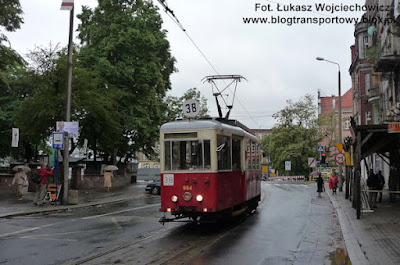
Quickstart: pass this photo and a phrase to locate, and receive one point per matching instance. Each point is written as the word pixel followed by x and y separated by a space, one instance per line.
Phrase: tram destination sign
pixel 394 127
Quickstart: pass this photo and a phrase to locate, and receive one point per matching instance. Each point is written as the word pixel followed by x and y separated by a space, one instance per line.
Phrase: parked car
pixel 154 188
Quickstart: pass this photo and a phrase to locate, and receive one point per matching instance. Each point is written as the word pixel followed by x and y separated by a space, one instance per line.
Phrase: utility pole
pixel 68 107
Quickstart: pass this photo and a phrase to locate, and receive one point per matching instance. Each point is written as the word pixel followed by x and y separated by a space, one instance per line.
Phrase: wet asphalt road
pixel 291 226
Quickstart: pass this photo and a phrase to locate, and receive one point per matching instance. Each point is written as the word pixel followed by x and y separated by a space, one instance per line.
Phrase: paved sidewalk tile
pixel 376 234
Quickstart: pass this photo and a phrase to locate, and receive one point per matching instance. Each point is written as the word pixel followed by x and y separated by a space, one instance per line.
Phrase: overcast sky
pixel 277 60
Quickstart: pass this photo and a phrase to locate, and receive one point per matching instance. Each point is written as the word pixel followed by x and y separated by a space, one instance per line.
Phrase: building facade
pixel 328 106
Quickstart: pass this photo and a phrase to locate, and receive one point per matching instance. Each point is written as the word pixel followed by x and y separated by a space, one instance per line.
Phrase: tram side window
pixel 224 152
pixel 207 154
pixel 167 155
pixel 187 155
pixel 248 154
pixel 236 154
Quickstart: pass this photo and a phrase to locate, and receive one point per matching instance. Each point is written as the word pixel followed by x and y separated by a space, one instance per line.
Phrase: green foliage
pixel 295 136
pixel 128 53
pixel 175 105
pixel 373 53
pixel 10 62
pixel 10 14
pixel 327 125
pixel 10 19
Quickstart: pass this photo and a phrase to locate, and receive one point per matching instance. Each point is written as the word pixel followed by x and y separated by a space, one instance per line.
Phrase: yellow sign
pixel 348 161
pixel 339 147
pixel 265 169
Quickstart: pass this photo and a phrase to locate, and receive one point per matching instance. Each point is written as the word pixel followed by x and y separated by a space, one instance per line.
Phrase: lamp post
pixel 340 117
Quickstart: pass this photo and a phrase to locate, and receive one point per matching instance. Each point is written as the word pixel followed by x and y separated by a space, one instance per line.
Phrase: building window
pixel 333 103
pixel 367 79
pixel 363 46
pixel 347 124
pixel 368 115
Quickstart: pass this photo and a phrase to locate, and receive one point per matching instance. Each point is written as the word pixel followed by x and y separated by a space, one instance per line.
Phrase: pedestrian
pixel 41 187
pixel 333 183
pixel 108 177
pixel 20 180
pixel 393 183
pixel 372 183
pixel 381 184
pixel 320 185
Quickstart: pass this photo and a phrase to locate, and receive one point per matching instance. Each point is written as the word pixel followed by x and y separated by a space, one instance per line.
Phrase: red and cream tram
pixel 210 168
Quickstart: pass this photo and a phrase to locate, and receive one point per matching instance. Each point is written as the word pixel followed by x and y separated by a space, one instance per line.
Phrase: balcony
pixel 386 63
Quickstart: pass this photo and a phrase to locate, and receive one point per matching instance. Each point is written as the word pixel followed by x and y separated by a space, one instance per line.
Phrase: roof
pixel 211 124
pixel 347 103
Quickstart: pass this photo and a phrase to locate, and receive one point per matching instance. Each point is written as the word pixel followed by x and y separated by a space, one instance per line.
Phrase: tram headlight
pixel 199 198
pixel 174 198
pixel 187 196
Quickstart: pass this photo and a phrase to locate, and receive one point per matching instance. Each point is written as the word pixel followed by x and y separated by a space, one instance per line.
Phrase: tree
pixel 11 20
pixel 37 114
pixel 175 110
pixel 125 48
pixel 10 62
pixel 327 125
pixel 295 136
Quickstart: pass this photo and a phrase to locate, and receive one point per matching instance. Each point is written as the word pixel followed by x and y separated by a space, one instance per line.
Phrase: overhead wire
pixel 171 14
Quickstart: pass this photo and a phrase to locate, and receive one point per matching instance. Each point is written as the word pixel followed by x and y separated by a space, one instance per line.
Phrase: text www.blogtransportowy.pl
pixel 289 21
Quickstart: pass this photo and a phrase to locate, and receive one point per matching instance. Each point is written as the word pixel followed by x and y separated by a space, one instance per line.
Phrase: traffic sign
pixel 339 147
pixel 58 140
pixel 312 162
pixel 288 165
pixel 320 148
pixel 340 158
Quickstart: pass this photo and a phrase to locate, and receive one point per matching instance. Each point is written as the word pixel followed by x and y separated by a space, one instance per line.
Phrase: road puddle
pixel 339 257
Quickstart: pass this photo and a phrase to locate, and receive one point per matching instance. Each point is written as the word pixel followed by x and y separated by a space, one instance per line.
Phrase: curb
pixel 67 207
pixel 356 255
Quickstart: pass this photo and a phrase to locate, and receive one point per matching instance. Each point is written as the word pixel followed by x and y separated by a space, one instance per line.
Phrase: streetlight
pixel 340 117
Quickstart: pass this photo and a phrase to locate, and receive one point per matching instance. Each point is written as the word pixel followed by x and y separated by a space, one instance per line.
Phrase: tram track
pixel 169 246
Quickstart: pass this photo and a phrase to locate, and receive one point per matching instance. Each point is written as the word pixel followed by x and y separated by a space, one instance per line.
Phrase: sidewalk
pixel 10 206
pixel 373 239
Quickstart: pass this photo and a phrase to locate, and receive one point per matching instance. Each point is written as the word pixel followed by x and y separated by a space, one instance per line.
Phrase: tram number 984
pixel 187 188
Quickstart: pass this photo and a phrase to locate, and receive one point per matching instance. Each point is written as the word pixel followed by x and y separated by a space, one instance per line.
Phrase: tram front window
pixel 187 155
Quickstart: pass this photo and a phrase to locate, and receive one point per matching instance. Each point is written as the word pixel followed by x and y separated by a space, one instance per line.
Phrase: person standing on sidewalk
pixel 372 183
pixel 108 177
pixel 20 180
pixel 320 185
pixel 381 184
pixel 333 182
pixel 41 187
pixel 393 183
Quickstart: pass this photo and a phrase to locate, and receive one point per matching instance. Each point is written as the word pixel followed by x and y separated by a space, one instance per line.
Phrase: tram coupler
pixel 164 220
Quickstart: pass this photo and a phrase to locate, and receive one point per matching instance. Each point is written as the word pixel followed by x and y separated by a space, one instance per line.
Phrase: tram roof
pixel 212 124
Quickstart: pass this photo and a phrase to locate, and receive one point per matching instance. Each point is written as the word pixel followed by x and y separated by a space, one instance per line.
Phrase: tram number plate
pixel 168 179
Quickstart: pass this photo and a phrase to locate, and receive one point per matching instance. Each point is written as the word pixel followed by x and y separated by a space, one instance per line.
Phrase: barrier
pixel 290 178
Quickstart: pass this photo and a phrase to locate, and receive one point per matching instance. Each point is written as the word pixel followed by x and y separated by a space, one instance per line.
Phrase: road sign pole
pixel 68 107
